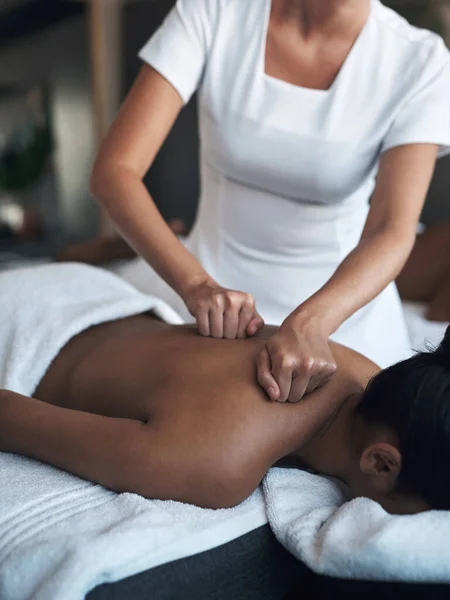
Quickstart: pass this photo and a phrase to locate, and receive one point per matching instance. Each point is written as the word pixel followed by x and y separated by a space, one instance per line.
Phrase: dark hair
pixel 413 398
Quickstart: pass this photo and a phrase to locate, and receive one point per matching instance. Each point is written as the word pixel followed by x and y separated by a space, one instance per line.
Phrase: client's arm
pixel 121 454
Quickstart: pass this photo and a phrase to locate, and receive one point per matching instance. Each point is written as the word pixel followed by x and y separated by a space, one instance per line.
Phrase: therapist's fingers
pixel 202 318
pixel 247 313
pixel 231 322
pixel 318 381
pixel 298 388
pixel 306 382
pixel 264 374
pixel 283 374
pixel 216 323
pixel 255 325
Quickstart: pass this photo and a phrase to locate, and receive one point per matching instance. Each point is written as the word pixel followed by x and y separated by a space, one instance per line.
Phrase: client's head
pixel 403 434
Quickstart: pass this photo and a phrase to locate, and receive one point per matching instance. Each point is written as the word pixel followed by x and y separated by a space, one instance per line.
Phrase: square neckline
pixel 301 88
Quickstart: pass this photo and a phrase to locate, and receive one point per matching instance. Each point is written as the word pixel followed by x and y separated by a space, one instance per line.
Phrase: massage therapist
pixel 320 124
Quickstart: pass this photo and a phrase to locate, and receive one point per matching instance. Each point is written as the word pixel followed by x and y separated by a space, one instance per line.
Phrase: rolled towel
pixel 358 539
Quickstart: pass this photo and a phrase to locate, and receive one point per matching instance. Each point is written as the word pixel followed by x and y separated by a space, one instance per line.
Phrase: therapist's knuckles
pixel 218 301
pixel 238 300
pixel 316 367
pixel 287 360
pixel 306 375
pixel 310 365
pixel 249 301
pixel 235 310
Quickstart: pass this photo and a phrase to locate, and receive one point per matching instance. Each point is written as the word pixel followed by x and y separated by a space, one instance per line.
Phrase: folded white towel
pixel 357 540
pixel 61 536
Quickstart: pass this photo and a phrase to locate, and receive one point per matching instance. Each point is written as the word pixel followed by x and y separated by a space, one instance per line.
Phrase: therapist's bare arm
pixel 388 237
pixel 126 155
pixel 297 359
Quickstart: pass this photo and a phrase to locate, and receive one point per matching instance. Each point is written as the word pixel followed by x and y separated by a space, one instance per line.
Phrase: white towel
pixel 357 540
pixel 61 536
pixel 423 333
pixel 42 308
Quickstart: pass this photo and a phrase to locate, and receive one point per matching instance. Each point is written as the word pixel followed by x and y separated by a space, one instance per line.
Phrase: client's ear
pixel 382 462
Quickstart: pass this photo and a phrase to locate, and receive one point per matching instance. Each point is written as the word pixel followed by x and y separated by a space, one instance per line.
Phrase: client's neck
pixel 331 452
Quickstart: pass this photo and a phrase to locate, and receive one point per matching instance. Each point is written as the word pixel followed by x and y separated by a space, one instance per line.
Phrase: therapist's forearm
pixel 125 198
pixel 365 273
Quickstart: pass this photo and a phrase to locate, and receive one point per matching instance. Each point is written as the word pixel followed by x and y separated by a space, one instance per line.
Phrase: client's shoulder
pixel 352 364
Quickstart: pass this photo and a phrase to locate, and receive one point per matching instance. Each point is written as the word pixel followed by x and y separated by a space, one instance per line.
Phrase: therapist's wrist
pixel 193 282
pixel 307 318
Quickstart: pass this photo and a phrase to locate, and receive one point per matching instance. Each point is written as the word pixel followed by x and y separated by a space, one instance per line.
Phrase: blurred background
pixel 65 66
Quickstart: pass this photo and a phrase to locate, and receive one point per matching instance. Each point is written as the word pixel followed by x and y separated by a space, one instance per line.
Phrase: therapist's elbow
pixel 397 237
pixel 110 180
pixel 101 176
pixel 404 239
pixel 98 179
pixel 107 178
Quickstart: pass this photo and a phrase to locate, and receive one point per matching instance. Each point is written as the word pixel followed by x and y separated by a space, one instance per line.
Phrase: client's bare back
pixel 189 421
pixel 143 369
pixel 198 390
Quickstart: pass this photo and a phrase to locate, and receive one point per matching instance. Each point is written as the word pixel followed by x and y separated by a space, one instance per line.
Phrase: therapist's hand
pixel 295 361
pixel 222 313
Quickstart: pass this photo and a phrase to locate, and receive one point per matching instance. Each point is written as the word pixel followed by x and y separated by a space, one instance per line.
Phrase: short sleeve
pixel 424 115
pixel 179 49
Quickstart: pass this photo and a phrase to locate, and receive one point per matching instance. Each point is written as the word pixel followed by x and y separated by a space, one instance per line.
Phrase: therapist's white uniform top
pixel 287 172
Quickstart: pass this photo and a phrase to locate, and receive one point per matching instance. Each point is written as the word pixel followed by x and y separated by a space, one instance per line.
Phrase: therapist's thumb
pixel 255 325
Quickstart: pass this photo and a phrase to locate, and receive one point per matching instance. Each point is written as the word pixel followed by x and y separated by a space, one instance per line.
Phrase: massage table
pixel 253 567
